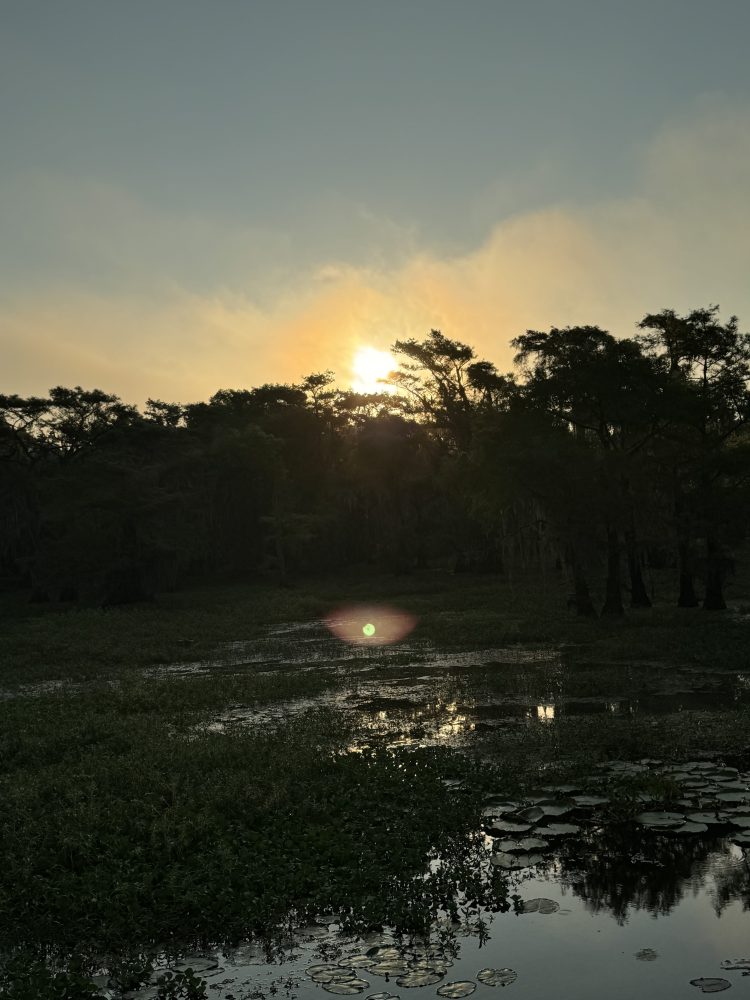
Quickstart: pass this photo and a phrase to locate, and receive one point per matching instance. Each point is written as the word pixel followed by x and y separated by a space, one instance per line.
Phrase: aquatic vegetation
pixel 497 977
pixel 515 862
pixel 139 824
pixel 737 963
pixel 540 905
pixel 711 985
pixel 461 988
pixel 419 977
pixel 346 987
pixel 646 955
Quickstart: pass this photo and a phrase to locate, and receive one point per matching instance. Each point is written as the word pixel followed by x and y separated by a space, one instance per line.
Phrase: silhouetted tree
pixel 707 365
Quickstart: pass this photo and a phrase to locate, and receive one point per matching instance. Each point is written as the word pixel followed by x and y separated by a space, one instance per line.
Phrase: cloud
pixel 678 240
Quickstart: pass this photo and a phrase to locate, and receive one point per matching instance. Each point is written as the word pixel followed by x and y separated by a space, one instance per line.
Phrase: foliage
pixel 600 454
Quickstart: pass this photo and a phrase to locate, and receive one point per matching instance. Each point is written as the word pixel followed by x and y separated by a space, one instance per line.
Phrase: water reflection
pixel 450 704
pixel 589 909
pixel 620 870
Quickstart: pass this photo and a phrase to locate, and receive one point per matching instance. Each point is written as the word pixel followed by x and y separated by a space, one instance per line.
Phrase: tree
pixel 448 385
pixel 605 392
pixel 707 367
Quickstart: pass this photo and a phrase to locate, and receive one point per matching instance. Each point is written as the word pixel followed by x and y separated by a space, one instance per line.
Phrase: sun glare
pixel 370 367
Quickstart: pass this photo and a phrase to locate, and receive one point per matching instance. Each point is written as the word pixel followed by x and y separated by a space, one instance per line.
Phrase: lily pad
pixel 710 819
pixel 736 963
pixel 431 953
pixel 532 814
pixel 558 829
pixel 329 973
pixel 733 796
pixel 627 767
pixel 521 846
pixel 419 977
pixel 389 967
pixel 347 989
pixel 590 800
pixel 197 964
pixel 382 996
pixel 711 985
pixel 557 808
pixel 505 846
pixel 334 977
pixel 531 843
pixel 660 819
pixel 741 821
pixel 383 952
pixel 439 965
pixel 515 862
pixel 505 826
pixel 743 839
pixel 500 808
pixel 539 905
pixel 688 828
pixel 462 988
pixel 357 962
pixel 497 977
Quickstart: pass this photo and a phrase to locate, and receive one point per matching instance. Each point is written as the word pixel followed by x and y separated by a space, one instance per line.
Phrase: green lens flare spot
pixel 368 629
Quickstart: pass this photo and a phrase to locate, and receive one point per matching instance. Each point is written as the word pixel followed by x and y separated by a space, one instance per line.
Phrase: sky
pixel 196 196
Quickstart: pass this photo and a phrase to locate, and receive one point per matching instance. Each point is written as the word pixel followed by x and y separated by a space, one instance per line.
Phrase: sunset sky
pixel 209 195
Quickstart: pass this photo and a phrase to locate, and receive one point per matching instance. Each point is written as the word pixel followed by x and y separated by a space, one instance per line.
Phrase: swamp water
pixel 655 905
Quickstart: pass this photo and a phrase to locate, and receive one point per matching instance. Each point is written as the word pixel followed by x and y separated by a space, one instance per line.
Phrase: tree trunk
pixel 583 603
pixel 687 598
pixel 714 599
pixel 278 544
pixel 613 599
pixel 638 594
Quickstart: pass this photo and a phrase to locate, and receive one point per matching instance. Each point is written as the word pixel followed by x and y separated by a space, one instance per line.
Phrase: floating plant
pixel 349 988
pixel 515 862
pixel 711 985
pixel 540 905
pixel 463 988
pixel 497 977
pixel 660 819
pixel 419 977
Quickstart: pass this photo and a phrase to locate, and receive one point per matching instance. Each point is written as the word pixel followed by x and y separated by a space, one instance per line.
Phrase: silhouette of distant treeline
pixel 598 457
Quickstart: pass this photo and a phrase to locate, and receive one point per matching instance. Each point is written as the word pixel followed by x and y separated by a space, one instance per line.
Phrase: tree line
pixel 598 458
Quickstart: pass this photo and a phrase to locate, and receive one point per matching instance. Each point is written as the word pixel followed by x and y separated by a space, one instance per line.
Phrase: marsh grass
pixel 131 830
pixel 130 827
pixel 45 642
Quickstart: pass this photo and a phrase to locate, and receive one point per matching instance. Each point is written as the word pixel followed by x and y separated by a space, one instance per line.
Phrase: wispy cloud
pixel 679 239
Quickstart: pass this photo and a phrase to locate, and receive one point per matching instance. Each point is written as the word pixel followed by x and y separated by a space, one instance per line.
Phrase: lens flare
pixel 370 625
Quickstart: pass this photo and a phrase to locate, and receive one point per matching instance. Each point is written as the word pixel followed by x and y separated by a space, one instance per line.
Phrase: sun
pixel 369 369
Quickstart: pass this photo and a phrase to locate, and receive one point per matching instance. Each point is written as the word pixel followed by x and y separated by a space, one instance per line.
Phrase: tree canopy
pixel 600 456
